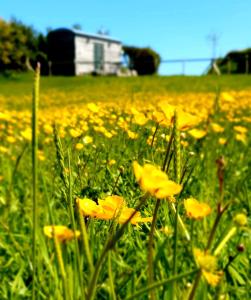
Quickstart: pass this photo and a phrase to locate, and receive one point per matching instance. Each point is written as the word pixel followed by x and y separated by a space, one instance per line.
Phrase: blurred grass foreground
pixel 125 188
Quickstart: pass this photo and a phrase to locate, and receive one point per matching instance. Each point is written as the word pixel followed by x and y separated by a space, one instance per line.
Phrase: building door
pixel 98 57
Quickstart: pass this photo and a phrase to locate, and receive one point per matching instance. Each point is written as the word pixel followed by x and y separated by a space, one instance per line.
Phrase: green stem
pixel 61 265
pixel 150 248
pixel 213 231
pixel 177 155
pixel 177 178
pixel 35 100
pixel 181 225
pixel 159 284
pixel 109 245
pixel 192 233
pixel 112 290
pixel 85 241
pixel 168 149
pixel 231 233
pixel 116 183
pixel 175 239
pixel 94 278
pixel 220 211
pixel 155 132
pixel 74 228
pixel 195 285
pixel 230 261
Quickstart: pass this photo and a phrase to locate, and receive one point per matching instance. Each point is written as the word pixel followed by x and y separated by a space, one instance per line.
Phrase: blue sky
pixel 175 29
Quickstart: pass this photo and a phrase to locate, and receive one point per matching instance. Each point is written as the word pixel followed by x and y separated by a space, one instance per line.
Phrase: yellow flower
pixel 88 207
pixel 240 219
pixel 195 209
pixel 240 129
pixel 87 139
pixel 79 146
pixel 167 230
pixel 222 141
pixel 208 265
pixel 10 139
pixel 40 155
pixel 227 97
pixel 4 116
pixel 126 214
pixel 111 207
pixel 197 133
pixel 212 278
pixel 48 129
pixel 3 149
pixel 48 140
pixel 108 134
pixel 140 119
pixel 26 134
pixel 93 107
pixel 75 132
pixel 216 127
pixel 132 135
pixel 149 140
pixel 155 181
pixel 62 233
pixel 111 162
pixel 241 137
pixel 184 143
pixel 186 120
pixel 159 117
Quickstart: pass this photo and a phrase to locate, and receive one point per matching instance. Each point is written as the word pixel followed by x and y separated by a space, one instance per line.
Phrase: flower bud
pixel 240 219
pixel 240 248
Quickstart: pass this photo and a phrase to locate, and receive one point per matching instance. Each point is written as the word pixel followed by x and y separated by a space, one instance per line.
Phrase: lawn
pixel 125 188
pixel 16 90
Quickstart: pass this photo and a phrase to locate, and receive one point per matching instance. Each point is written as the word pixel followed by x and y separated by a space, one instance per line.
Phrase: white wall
pixel 113 53
pixel 84 55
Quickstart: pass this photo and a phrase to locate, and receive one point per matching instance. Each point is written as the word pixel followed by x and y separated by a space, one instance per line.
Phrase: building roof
pixel 88 35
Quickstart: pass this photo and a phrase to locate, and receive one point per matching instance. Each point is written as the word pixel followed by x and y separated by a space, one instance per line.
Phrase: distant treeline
pixel 145 61
pixel 21 46
pixel 235 62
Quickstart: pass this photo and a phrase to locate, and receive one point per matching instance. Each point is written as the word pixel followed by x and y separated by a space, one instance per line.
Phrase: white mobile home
pixel 72 52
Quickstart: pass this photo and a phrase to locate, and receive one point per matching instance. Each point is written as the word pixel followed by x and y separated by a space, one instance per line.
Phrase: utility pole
pixel 213 39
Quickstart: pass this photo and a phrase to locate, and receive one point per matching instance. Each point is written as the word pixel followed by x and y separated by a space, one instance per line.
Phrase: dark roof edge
pixel 88 35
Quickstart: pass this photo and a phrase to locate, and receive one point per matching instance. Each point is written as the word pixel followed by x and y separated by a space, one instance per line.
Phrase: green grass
pixel 19 86
pixel 111 260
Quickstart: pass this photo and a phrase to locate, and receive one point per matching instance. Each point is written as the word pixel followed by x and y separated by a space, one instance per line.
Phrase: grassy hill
pixel 16 91
pixel 94 217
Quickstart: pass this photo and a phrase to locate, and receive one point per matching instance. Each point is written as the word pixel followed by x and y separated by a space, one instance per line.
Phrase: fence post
pixel 183 67
pixel 229 66
pixel 247 63
pixel 49 67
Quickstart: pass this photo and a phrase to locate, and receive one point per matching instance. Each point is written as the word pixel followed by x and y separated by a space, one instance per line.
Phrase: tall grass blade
pixel 35 101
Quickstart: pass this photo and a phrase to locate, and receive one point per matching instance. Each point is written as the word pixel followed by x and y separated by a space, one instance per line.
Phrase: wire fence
pixel 184 66
pixel 235 62
pixel 180 64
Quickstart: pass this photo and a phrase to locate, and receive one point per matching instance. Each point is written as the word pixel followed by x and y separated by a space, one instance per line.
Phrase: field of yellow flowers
pixel 110 192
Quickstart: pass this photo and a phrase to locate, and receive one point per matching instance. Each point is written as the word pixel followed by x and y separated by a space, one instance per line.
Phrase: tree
pixel 20 46
pixel 144 60
pixel 234 62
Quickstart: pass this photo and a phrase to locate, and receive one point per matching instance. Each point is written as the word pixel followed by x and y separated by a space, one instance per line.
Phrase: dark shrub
pixel 144 60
